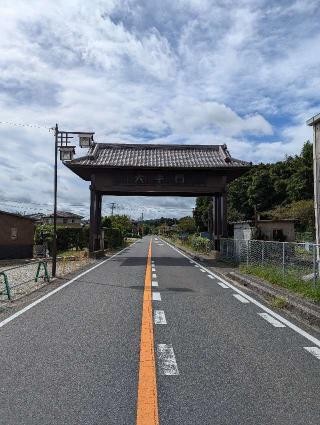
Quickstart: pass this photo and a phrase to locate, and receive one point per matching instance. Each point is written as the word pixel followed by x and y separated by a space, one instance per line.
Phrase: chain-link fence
pixel 300 260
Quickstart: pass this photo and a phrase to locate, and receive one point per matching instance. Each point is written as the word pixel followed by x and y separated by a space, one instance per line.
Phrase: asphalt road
pixel 74 358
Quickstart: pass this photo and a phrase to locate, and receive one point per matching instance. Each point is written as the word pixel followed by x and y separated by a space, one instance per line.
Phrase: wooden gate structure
pixel 157 170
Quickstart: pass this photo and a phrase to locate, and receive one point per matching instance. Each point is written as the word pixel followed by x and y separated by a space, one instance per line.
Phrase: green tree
pixel 202 213
pixel 122 222
pixel 186 225
pixel 265 187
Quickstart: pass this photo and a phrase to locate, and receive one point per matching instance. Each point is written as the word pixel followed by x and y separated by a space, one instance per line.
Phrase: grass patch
pixel 290 281
pixel 279 302
pixel 69 253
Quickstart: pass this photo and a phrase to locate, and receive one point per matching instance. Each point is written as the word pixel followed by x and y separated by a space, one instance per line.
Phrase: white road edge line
pixel 272 320
pixel 156 296
pixel 211 277
pixel 154 283
pixel 159 317
pixel 315 351
pixel 166 360
pixel 277 316
pixel 241 298
pixel 39 300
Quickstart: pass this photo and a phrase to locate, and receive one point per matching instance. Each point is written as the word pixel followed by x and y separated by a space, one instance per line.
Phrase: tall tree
pixel 264 187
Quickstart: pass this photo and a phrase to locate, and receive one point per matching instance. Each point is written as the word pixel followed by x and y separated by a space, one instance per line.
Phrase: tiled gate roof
pixel 158 156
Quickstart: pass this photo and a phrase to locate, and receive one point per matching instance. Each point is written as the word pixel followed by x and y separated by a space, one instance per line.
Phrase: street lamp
pixel 85 140
pixel 67 151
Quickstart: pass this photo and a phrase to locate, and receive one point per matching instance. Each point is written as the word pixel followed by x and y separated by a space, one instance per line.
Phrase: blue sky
pixel 244 72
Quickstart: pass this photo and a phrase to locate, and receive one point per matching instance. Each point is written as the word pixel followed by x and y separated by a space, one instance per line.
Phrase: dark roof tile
pixel 158 156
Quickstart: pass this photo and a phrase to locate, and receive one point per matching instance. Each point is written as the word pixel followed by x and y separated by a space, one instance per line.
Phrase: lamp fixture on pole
pixel 67 152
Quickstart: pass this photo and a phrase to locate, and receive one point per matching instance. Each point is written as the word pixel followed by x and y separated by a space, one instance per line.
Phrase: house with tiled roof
pixel 64 218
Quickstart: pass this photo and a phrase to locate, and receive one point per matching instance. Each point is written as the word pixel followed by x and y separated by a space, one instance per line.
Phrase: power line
pixel 15 124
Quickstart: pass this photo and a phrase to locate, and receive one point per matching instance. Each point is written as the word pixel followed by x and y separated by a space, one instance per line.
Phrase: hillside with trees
pixel 279 190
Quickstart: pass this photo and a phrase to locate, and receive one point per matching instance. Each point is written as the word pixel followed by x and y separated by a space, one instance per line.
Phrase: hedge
pixel 113 238
pixel 67 237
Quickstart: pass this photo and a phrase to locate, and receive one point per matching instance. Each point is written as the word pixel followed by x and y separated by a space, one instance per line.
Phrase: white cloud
pixel 191 71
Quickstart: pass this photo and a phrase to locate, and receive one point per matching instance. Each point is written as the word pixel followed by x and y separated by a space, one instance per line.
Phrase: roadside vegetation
pixel 194 242
pixel 71 241
pixel 291 280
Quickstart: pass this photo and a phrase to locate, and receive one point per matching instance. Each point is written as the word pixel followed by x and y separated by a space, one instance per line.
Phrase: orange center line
pixel 147 404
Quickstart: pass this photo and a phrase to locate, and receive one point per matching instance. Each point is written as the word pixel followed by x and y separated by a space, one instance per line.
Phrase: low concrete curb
pixel 294 304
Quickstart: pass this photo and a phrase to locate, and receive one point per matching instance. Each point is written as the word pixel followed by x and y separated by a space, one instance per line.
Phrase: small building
pixel 64 218
pixel 16 236
pixel 270 230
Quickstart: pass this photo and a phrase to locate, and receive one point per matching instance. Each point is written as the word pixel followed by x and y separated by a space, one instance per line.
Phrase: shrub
pixel 113 238
pixel 200 244
pixel 133 235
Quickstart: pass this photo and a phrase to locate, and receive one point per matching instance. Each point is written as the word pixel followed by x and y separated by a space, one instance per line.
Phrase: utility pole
pixel 112 206
pixel 54 241
pixel 141 224
pixel 315 123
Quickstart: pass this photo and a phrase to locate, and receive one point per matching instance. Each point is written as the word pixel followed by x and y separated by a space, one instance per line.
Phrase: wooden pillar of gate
pixel 224 219
pixel 95 220
pixel 220 225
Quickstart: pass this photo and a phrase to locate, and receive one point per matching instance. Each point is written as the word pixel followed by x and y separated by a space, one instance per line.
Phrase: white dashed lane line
pixel 222 285
pixel 154 276
pixel 166 360
pixel 274 322
pixel 154 283
pixel 315 351
pixel 268 315
pixel 159 317
pixel 156 296
pixel 241 298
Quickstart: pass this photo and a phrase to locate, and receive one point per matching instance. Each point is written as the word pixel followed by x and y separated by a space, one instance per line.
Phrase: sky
pixel 244 73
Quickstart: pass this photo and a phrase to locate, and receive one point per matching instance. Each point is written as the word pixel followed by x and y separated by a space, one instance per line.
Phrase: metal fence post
pixel 6 285
pixel 46 276
pixel 248 252
pixel 283 258
pixel 262 252
pixel 314 265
